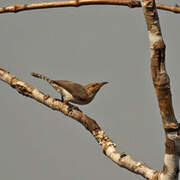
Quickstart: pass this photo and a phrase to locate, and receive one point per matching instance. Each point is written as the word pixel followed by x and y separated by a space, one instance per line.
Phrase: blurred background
pixel 84 44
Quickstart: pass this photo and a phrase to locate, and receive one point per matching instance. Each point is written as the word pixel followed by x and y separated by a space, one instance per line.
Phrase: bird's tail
pixel 40 76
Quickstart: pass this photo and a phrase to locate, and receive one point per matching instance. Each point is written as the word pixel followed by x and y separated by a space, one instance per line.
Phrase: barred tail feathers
pixel 40 76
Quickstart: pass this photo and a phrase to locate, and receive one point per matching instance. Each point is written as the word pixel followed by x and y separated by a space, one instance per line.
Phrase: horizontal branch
pixel 76 3
pixel 108 146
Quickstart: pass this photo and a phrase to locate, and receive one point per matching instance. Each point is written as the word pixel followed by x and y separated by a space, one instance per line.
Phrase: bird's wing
pixel 75 89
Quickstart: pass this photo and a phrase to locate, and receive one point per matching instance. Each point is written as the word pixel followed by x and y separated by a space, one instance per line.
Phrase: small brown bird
pixel 73 92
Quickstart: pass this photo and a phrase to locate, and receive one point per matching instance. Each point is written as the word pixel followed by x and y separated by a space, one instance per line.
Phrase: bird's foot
pixel 72 107
pixel 77 108
pixel 62 98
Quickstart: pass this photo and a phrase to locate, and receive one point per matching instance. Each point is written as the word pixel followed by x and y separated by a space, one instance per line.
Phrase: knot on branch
pixel 77 3
pixel 172 126
pixel 23 90
pixel 103 140
pixel 149 4
pixel 162 82
pixel 15 8
pixel 132 4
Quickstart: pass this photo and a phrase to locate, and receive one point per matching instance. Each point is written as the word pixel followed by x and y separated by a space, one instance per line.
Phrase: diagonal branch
pixel 161 83
pixel 76 3
pixel 108 146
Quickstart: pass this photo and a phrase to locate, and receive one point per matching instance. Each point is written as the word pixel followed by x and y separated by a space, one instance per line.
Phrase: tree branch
pixel 161 83
pixel 108 146
pixel 76 3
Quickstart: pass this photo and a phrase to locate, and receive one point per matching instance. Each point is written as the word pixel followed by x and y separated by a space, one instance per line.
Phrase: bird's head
pixel 94 87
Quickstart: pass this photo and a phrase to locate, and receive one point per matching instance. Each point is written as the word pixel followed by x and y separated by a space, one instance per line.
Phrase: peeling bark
pixel 161 83
pixel 160 77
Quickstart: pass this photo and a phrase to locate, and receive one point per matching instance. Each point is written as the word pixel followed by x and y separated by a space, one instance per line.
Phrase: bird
pixel 73 92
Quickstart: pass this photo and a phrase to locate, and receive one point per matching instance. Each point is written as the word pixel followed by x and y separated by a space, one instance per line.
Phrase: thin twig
pixel 76 3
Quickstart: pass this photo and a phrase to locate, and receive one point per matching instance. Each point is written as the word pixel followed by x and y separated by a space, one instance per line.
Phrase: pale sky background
pixel 85 44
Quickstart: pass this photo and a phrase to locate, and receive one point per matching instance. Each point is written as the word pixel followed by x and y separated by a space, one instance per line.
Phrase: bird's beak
pixel 103 83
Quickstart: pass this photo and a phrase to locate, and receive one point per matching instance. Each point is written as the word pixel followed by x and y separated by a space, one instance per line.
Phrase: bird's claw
pixel 77 108
pixel 72 107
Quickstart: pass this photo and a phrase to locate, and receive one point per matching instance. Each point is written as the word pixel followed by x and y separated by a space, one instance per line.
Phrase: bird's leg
pixel 70 106
pixel 62 98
